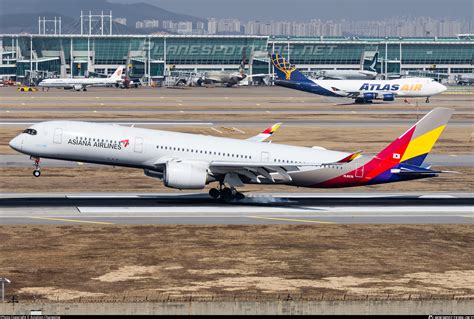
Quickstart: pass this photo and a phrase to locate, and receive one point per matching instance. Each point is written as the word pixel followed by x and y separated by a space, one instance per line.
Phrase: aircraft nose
pixel 441 88
pixel 16 143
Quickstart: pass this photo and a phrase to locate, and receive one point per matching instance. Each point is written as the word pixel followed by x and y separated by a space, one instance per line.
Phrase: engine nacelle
pixel 388 97
pixel 77 87
pixel 370 96
pixel 154 174
pixel 185 175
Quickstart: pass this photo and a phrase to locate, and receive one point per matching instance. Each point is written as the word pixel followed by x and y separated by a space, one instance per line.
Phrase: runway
pixel 257 208
pixel 451 160
pixel 252 123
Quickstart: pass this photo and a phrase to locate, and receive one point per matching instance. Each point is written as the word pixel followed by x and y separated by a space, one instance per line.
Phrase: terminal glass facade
pixel 152 55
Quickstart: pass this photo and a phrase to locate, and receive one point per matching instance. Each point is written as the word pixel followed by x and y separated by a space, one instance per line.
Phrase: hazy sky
pixel 266 10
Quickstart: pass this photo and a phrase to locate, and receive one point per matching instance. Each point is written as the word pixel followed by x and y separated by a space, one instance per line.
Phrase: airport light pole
pixel 4 281
pixel 288 38
pixel 386 56
pixel 31 59
pixel 273 67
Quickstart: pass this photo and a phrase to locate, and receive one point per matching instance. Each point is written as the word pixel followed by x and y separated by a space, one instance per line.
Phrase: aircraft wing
pixel 350 157
pixel 256 171
pixel 265 134
pixel 259 74
pixel 215 78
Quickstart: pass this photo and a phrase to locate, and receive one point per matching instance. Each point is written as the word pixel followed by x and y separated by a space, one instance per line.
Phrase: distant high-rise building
pixel 212 26
pixel 185 27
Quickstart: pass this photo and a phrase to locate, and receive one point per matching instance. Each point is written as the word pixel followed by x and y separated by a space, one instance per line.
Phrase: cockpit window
pixel 30 131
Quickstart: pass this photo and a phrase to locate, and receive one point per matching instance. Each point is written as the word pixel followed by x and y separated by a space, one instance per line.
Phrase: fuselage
pixel 348 74
pixel 144 148
pixel 406 87
pixel 63 82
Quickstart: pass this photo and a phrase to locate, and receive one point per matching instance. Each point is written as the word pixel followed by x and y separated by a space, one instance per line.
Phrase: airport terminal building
pixel 152 56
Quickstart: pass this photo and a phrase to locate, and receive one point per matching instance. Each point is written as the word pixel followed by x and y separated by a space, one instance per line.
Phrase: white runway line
pixel 238 130
pixel 214 129
pixel 378 211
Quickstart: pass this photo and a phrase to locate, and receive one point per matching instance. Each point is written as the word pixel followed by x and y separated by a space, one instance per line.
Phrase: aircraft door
pixel 58 136
pixel 138 148
pixel 264 157
pixel 359 172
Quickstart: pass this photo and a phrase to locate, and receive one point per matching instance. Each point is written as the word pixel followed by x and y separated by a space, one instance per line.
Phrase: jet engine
pixel 370 96
pixel 388 97
pixel 77 87
pixel 185 175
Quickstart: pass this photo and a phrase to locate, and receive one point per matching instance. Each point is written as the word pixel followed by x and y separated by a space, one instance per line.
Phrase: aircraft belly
pixel 318 177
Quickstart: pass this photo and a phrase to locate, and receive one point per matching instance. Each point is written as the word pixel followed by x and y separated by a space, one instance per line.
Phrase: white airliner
pixel 191 161
pixel 362 74
pixel 362 91
pixel 82 84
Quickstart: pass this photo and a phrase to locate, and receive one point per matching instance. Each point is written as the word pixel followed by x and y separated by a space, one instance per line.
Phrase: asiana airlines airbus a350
pixel 191 161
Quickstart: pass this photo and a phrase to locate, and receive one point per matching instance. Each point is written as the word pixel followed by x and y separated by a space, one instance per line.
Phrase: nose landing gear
pixel 427 100
pixel 37 170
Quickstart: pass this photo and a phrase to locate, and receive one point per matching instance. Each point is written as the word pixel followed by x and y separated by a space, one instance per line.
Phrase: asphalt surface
pixel 260 123
pixel 454 160
pixel 243 111
pixel 257 208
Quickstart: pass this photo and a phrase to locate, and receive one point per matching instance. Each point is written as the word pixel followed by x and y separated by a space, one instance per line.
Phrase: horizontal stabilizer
pixel 406 169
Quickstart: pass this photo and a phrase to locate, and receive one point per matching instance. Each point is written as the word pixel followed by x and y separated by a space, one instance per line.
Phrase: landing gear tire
pixel 229 194
pixel 427 100
pixel 214 193
pixel 37 170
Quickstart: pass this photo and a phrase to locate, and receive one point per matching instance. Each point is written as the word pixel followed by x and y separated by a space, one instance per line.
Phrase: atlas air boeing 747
pixel 362 91
pixel 191 161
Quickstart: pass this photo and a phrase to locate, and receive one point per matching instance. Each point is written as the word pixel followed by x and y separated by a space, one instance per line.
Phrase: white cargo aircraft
pixel 362 91
pixel 82 84
pixel 191 161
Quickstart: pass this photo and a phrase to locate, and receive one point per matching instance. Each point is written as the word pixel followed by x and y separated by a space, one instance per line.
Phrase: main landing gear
pixel 427 100
pixel 227 194
pixel 37 170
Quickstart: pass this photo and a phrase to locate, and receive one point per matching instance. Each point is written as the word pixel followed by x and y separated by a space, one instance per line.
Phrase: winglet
pixel 350 157
pixel 266 133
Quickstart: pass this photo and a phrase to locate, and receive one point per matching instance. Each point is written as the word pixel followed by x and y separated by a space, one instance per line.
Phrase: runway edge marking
pixel 293 220
pixel 73 220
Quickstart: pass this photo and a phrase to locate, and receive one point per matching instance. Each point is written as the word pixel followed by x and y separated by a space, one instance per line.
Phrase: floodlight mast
pixel 4 281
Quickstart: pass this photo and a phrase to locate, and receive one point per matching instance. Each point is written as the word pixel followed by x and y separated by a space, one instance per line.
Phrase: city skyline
pixel 396 26
pixel 303 10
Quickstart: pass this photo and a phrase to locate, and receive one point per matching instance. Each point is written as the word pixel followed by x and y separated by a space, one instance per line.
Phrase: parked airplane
pixel 465 79
pixel 359 90
pixel 351 74
pixel 228 78
pixel 82 84
pixel 190 161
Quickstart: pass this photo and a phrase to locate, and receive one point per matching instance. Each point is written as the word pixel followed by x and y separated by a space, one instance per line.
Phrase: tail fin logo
pixel 284 66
